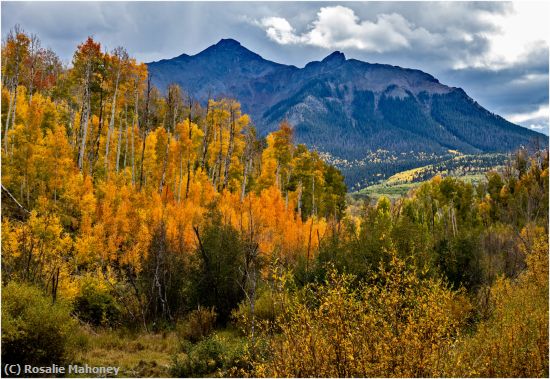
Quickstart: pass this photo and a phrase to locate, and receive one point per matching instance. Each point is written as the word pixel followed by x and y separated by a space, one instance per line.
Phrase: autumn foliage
pixel 109 177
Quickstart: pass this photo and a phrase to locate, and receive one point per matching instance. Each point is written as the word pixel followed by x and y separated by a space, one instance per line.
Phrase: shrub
pixel 199 324
pixel 206 357
pixel 215 278
pixel 398 324
pixel 513 341
pixel 267 308
pixel 35 331
pixel 219 355
pixel 96 306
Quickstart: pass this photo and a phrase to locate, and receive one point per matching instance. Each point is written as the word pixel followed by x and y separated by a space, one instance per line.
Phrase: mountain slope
pixel 345 107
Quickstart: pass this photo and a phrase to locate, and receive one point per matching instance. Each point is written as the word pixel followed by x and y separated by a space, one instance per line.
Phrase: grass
pixel 140 354
pixel 137 355
pixel 473 178
pixel 394 190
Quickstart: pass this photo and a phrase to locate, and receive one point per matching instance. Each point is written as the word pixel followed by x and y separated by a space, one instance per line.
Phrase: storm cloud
pixel 496 51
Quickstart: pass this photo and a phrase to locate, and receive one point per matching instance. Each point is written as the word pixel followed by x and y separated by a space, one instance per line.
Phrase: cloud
pixel 406 32
pixel 519 92
pixel 518 32
pixel 279 30
pixel 521 88
pixel 537 119
pixel 339 27
pixel 540 126
pixel 542 112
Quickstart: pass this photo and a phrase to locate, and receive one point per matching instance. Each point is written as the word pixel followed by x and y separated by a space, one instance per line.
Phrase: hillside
pixel 468 168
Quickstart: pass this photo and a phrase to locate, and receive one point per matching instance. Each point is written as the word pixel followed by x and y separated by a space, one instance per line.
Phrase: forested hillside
pixel 146 231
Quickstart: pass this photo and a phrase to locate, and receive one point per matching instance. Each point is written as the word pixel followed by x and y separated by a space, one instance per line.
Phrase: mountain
pixel 346 108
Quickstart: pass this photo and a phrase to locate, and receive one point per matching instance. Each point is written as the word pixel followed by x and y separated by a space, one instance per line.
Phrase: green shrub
pixel 206 357
pixel 35 331
pixel 220 355
pixel 96 306
pixel 215 277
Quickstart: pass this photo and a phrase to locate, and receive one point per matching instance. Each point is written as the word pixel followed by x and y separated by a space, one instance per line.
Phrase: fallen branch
pixel 14 199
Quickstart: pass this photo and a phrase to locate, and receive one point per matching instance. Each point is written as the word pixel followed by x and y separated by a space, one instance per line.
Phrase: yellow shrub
pixel 398 325
pixel 513 342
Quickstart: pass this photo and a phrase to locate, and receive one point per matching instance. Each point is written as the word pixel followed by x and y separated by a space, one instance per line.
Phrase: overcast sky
pixel 496 51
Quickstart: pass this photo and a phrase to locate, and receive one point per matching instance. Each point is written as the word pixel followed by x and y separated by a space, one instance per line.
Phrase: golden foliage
pixel 396 325
pixel 513 342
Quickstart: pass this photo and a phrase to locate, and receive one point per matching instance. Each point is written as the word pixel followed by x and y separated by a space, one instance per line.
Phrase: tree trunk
pixel 84 137
pixel 8 119
pixel 309 243
pixel 119 144
pixel 206 136
pixel 125 135
pixel 165 163
pixel 34 46
pixel 31 82
pixel 313 195
pixel 229 150
pixel 300 198
pixel 111 122
pixel 70 131
pixel 245 177
pixel 142 157
pixel 94 154
pixel 218 165
pixel 145 126
pixel 11 120
pixel 84 117
pixel 189 152
pixel 181 177
pixel 136 123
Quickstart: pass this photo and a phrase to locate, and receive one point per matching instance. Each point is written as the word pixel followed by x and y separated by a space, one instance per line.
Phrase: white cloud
pixel 279 30
pixel 339 27
pixel 537 120
pixel 525 28
pixel 543 112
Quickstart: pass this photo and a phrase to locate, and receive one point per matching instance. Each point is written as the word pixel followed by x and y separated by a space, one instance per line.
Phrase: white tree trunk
pixel 10 108
pixel 111 123
pixel 118 144
pixel 125 136
pixel 84 117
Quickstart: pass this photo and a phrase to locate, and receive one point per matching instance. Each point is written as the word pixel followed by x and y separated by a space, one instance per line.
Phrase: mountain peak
pixel 336 57
pixel 228 47
pixel 228 42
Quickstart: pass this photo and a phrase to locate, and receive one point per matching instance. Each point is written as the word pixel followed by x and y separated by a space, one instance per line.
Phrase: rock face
pixel 345 107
